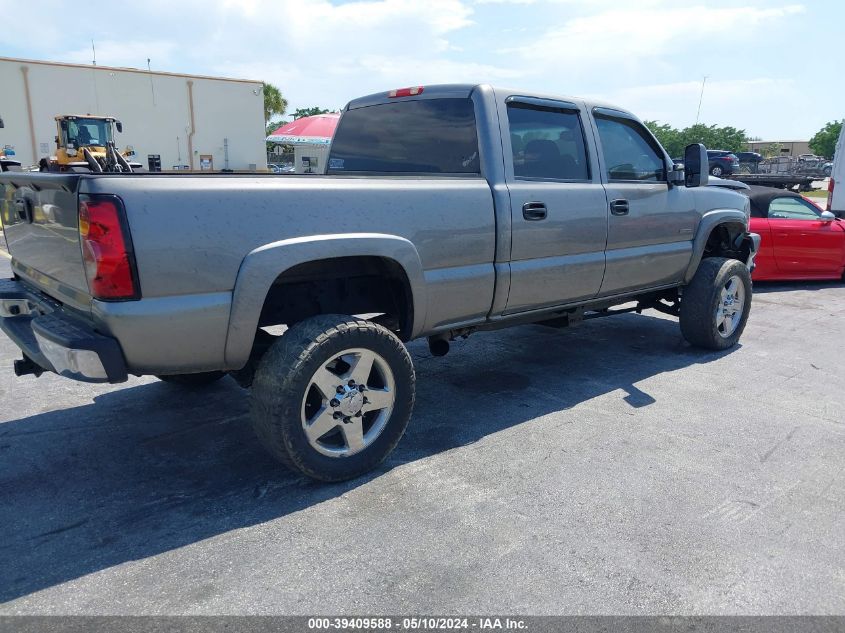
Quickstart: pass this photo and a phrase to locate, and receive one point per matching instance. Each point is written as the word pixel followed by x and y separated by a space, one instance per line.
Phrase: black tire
pixel 193 381
pixel 702 297
pixel 283 383
pixel 716 170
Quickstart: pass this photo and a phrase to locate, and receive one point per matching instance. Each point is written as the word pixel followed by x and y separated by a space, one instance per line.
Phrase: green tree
pixel 668 136
pixel 772 150
pixel 272 127
pixel 713 137
pixel 823 142
pixel 312 111
pixel 274 103
pixel 275 125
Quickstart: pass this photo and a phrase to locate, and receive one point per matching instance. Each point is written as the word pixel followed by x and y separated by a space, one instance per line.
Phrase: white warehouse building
pixel 189 121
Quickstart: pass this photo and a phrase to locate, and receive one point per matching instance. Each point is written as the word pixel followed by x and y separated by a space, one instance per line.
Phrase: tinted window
pixel 793 209
pixel 547 143
pixel 432 136
pixel 629 153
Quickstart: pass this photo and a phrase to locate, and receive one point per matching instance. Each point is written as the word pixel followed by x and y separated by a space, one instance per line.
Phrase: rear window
pixel 431 136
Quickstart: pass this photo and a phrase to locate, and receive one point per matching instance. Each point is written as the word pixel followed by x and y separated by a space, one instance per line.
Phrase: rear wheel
pixel 716 170
pixel 193 381
pixel 716 303
pixel 332 397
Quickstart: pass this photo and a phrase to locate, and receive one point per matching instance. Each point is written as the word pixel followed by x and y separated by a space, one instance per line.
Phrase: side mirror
pixel 119 126
pixel 696 165
pixel 827 216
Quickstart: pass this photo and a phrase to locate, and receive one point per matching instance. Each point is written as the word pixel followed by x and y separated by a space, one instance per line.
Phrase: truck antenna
pixel 700 98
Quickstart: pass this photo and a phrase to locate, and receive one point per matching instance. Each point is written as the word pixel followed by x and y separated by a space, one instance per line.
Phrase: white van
pixel 836 195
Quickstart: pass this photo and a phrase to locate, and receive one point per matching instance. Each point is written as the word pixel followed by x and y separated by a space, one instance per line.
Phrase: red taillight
pixel 830 194
pixel 106 250
pixel 406 92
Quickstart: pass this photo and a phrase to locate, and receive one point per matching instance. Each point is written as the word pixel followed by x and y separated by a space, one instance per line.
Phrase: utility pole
pixel 700 98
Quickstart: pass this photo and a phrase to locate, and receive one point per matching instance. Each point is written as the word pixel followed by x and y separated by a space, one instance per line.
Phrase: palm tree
pixel 274 102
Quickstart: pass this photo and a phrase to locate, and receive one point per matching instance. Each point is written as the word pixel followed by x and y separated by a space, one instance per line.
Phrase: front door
pixel 558 206
pixel 802 242
pixel 650 226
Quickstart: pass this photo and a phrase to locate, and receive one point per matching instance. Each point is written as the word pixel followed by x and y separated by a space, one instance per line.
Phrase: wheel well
pixel 727 240
pixel 342 285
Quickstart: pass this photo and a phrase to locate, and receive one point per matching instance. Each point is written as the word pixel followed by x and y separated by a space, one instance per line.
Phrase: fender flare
pixel 709 221
pixel 263 265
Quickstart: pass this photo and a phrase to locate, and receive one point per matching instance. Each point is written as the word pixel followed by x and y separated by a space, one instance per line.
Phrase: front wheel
pixel 716 303
pixel 333 396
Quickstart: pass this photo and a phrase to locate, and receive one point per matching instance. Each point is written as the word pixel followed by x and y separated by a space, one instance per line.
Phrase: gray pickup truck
pixel 444 210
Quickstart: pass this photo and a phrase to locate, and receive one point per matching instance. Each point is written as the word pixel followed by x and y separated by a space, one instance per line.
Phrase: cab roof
pixel 458 91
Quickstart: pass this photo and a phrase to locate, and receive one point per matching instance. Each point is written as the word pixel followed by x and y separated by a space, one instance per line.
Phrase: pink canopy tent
pixel 309 130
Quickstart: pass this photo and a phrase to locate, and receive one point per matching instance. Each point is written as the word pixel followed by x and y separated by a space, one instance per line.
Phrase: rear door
pixel 650 226
pixel 558 205
pixel 802 242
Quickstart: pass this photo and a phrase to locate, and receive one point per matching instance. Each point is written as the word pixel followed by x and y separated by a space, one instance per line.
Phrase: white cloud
pixel 322 53
pixel 629 37
pixel 317 52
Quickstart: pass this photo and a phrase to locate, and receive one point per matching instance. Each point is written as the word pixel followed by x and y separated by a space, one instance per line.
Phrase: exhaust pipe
pixel 438 346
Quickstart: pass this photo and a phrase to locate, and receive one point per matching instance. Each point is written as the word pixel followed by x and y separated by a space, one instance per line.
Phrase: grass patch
pixel 816 193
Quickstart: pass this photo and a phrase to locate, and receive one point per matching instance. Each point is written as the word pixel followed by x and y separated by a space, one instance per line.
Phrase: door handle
pixel 619 207
pixel 534 211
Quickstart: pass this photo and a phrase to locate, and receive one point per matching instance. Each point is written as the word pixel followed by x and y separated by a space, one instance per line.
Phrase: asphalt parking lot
pixel 606 469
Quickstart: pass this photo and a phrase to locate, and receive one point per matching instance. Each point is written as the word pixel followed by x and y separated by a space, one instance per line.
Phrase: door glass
pixel 628 151
pixel 792 209
pixel 547 143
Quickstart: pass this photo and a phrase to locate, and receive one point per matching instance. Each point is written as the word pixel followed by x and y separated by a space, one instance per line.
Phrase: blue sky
pixel 773 67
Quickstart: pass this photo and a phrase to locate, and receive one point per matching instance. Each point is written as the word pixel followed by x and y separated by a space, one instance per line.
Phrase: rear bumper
pixel 55 341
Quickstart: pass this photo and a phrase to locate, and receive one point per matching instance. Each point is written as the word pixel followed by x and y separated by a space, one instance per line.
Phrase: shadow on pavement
pixel 764 287
pixel 146 469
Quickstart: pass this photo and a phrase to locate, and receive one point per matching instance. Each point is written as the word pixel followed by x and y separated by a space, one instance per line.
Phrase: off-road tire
pixel 282 379
pixel 701 298
pixel 193 381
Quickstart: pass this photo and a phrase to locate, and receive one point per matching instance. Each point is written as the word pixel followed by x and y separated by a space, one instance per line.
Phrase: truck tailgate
pixel 41 223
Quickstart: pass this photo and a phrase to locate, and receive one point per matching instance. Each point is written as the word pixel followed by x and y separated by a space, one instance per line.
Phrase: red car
pixel 799 240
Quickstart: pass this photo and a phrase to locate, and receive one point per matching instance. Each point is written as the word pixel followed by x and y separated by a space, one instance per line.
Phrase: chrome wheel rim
pixel 348 402
pixel 730 308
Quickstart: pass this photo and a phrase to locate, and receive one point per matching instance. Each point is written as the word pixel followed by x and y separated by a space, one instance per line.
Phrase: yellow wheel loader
pixel 86 143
